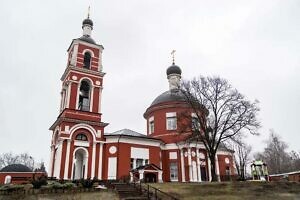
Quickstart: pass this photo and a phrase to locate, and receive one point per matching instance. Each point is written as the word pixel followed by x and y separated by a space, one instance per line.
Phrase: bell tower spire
pixel 87 25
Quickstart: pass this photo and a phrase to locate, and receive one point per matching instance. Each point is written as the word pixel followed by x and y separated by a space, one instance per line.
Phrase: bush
pixel 38 182
pixel 12 188
pixel 87 183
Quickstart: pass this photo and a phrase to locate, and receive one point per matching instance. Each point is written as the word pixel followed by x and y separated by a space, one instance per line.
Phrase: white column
pixel 131 176
pixel 134 163
pixel 160 177
pixel 57 163
pixel 67 160
pixel 217 168
pixel 93 160
pixel 198 165
pixel 182 165
pixel 208 167
pixel 141 172
pixel 51 160
pixel 190 164
pixel 100 162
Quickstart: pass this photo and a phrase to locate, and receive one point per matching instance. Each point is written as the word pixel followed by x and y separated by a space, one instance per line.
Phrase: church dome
pixel 87 21
pixel 170 95
pixel 16 168
pixel 173 69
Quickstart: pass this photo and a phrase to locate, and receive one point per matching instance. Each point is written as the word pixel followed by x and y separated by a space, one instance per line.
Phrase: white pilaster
pixel 68 95
pixel 92 99
pixel 198 165
pixel 100 162
pixel 100 94
pixel 190 164
pixel 182 165
pixel 93 160
pixel 74 55
pixel 67 160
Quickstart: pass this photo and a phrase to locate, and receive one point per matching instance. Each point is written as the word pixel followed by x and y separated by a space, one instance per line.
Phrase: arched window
pixel 81 137
pixel 84 96
pixel 87 60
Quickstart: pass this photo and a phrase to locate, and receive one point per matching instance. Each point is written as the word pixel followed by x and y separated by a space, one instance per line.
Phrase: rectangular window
pixel 151 127
pixel 171 123
pixel 173 171
pixel 139 162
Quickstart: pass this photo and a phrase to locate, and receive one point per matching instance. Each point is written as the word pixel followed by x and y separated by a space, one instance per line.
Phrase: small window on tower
pixel 87 60
pixel 81 137
pixel 151 125
pixel 171 121
pixel 84 96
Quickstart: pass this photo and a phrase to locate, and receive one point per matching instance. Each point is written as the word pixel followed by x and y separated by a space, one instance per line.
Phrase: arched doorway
pixel 80 164
pixel 150 177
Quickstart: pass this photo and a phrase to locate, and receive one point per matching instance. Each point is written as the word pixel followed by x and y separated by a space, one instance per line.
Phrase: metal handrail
pixel 144 187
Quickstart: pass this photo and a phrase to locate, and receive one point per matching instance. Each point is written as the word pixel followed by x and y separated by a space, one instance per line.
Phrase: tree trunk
pixel 214 177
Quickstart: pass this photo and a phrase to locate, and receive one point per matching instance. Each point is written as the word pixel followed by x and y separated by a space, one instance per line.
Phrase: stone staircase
pixel 127 191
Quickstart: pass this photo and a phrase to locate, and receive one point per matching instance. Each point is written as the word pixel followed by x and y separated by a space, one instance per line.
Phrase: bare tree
pixel 10 158
pixel 228 113
pixel 241 157
pixel 276 157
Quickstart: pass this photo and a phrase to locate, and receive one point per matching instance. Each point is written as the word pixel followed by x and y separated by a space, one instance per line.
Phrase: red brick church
pixel 80 148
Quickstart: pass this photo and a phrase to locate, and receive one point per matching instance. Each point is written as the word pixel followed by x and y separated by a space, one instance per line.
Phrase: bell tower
pixel 77 133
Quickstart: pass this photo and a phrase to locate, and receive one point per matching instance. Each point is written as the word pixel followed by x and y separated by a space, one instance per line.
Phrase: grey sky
pixel 254 44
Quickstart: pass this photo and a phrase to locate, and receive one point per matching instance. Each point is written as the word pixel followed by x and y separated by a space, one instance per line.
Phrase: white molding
pixel 89 51
pixel 80 143
pixel 171 114
pixel 83 126
pixel 141 141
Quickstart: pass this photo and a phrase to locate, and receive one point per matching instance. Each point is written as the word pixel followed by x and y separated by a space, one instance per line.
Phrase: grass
pixel 233 190
pixel 75 196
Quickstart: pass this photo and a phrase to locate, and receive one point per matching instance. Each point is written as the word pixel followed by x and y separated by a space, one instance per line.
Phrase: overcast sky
pixel 254 44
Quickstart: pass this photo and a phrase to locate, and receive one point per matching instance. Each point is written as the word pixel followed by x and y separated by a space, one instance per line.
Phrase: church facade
pixel 80 148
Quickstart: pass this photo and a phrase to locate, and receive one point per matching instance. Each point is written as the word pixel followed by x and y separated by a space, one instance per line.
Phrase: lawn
pixel 63 196
pixel 233 190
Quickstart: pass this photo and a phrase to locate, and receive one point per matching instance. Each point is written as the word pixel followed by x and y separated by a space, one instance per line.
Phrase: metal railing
pixel 151 192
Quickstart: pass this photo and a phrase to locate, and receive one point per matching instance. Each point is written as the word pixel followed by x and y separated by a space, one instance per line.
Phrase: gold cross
pixel 173 56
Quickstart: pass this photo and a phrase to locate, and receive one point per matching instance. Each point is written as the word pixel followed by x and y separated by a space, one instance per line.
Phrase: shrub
pixel 12 188
pixel 87 183
pixel 38 182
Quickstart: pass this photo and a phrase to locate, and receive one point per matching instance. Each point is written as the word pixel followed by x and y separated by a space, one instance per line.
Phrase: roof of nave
pixel 16 168
pixel 128 132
